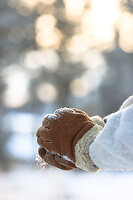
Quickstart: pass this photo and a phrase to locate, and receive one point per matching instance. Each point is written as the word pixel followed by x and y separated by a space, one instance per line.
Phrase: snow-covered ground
pixel 53 184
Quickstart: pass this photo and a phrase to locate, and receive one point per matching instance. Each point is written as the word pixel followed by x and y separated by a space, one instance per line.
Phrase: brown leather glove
pixel 59 134
pixel 55 160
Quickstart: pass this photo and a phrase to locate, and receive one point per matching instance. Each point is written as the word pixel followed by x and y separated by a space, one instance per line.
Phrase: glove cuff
pixel 82 158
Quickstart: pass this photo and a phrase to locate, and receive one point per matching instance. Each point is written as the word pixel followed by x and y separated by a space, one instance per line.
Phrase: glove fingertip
pixel 42 152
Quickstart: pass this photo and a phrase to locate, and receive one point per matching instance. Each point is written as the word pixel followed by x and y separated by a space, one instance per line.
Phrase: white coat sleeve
pixel 113 147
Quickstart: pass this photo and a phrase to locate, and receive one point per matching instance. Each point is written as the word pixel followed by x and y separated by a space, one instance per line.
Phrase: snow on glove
pixel 55 160
pixel 64 138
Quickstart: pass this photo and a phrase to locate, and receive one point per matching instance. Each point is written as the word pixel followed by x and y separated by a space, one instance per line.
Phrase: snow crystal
pixel 62 110
pixel 52 116
pixel 66 158
pixel 40 162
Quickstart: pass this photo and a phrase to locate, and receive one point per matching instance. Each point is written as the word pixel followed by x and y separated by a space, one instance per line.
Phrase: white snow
pixel 66 158
pixel 40 162
pixel 52 184
pixel 62 110
pixel 52 116
pixel 58 111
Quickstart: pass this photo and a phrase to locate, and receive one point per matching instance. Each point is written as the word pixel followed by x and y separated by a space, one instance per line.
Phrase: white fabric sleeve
pixel 113 147
pixel 127 103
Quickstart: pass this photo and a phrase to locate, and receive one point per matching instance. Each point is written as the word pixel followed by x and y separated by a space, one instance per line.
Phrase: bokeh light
pixel 33 3
pixel 126 32
pixel 16 93
pixel 47 36
pixel 79 87
pixel 90 80
pixel 47 92
pixel 48 59
pixel 74 9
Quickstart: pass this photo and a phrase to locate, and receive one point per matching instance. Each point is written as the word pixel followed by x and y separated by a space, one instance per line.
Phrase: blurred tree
pixel 63 53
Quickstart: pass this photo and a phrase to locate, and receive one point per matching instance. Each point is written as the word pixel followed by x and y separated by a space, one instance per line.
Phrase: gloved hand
pixel 60 133
pixel 55 160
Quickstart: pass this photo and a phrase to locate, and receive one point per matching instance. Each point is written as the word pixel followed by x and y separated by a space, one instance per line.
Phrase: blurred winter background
pixel 60 53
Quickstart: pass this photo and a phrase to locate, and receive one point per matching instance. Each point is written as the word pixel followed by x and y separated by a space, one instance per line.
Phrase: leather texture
pixel 59 134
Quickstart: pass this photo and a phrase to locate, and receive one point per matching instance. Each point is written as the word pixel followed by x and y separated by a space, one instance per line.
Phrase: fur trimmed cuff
pixel 83 160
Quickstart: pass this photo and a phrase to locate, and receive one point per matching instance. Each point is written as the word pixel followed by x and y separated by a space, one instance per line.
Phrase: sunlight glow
pixel 77 44
pixel 96 24
pixel 42 58
pixel 97 27
pixel 126 32
pixel 47 39
pixel 16 94
pixel 90 80
pixel 99 23
pixel 104 14
pixel 74 9
pixel 45 21
pixel 48 1
pixel 79 87
pixel 94 60
pixel 47 35
pixel 47 92
pixel 31 4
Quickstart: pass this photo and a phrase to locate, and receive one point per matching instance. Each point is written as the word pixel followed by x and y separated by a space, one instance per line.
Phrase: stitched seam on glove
pixel 83 160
